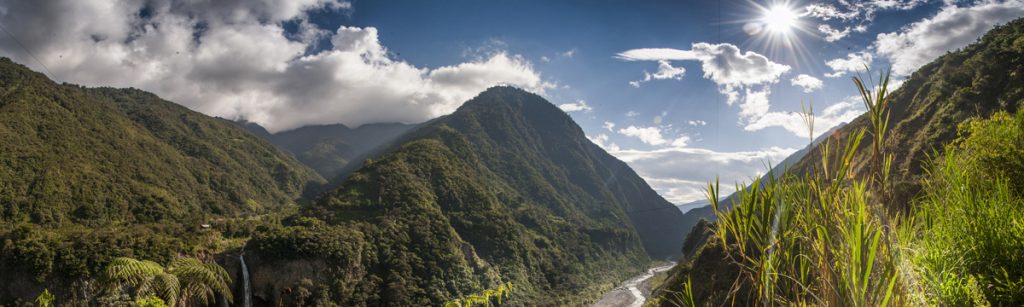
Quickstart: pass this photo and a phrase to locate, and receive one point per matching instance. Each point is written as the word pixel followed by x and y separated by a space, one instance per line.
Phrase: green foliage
pixel 184 281
pixel 808 240
pixel 100 173
pixel 151 301
pixel 45 299
pixel 496 296
pixel 104 157
pixel 811 238
pixel 968 231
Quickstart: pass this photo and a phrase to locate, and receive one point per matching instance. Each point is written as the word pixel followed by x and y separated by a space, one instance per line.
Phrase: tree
pixel 181 282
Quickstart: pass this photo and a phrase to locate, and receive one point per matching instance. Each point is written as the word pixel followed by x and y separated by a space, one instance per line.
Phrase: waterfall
pixel 247 293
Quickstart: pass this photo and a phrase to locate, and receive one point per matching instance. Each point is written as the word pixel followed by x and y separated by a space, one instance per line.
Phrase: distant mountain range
pixel 328 149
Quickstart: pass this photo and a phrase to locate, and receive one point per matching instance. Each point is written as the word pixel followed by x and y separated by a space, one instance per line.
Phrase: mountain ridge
pixel 500 195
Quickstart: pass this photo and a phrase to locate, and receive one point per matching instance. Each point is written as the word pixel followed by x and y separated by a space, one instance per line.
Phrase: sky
pixel 683 91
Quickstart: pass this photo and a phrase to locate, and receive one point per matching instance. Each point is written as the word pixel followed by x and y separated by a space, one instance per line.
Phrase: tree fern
pixel 184 280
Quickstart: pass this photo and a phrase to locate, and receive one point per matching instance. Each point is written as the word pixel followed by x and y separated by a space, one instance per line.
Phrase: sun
pixel 779 19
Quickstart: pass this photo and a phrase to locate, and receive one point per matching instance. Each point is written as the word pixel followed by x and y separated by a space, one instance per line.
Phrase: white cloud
pixel 807 83
pixel 575 106
pixel 951 28
pixel 545 59
pixel 678 191
pixel 828 12
pixel 840 112
pixel 648 135
pixel 680 174
pixel 722 63
pixel 655 136
pixel 852 15
pixel 569 53
pixel 234 59
pixel 831 34
pixel 853 63
pixel 665 72
pixel 696 123
pixel 632 113
pixel 610 126
pixel 740 76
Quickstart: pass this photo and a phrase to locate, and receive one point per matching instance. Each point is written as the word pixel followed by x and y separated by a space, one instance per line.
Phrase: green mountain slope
pixel 109 155
pixel 328 149
pixel 87 173
pixel 980 80
pixel 506 189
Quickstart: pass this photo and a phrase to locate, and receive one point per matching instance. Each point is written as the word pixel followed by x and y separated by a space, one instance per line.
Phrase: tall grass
pixel 814 238
pixel 825 237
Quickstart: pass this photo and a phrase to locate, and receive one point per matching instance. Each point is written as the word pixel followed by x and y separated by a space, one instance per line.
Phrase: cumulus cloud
pixel 235 59
pixel 648 135
pixel 951 28
pixel 655 136
pixel 840 112
pixel 853 63
pixel 732 70
pixel 696 123
pixel 807 83
pixel 680 174
pixel 575 106
pixel 743 77
pixel 831 34
pixel 723 63
pixel 665 72
pixel 838 19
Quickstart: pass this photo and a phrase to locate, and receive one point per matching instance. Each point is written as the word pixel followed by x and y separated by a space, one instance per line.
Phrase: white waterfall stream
pixel 247 292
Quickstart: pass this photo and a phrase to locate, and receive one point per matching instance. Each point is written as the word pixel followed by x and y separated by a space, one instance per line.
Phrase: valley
pixel 170 153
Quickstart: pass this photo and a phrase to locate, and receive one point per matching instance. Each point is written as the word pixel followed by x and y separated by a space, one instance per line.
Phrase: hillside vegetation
pixel 506 189
pixel 896 208
pixel 88 174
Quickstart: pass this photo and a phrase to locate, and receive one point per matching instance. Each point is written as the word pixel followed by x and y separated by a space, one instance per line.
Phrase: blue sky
pixel 723 77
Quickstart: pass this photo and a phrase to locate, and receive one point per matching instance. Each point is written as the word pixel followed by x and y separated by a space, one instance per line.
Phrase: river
pixel 631 293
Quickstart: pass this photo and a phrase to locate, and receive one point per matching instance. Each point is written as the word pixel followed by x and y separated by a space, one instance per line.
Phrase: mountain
pixel 103 156
pixel 977 81
pixel 505 189
pixel 328 149
pixel 87 174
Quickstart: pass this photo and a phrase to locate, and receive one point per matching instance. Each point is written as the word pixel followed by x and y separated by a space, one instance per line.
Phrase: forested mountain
pixel 975 82
pixel 108 156
pixel 87 174
pixel 505 189
pixel 328 149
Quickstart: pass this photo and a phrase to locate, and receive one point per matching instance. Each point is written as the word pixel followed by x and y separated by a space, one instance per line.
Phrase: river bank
pixel 633 292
